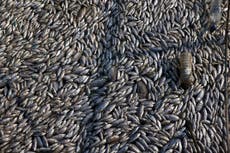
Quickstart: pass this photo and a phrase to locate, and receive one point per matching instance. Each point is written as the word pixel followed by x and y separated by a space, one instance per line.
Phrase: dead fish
pixel 186 77
pixel 215 14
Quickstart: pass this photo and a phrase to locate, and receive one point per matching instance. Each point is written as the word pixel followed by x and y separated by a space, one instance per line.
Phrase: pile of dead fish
pixel 104 76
